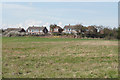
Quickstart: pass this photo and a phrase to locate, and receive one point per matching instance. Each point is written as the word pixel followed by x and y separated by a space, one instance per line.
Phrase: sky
pixel 25 14
pixel 59 0
pixel 119 13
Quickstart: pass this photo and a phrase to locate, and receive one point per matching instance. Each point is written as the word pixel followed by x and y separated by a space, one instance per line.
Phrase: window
pixel 37 30
pixel 69 29
pixel 28 30
pixel 40 30
pixel 56 29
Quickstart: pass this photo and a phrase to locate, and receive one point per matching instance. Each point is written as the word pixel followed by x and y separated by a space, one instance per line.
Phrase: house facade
pixel 37 30
pixel 69 29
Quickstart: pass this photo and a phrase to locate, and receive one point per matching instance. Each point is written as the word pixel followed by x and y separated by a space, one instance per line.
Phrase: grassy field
pixel 32 57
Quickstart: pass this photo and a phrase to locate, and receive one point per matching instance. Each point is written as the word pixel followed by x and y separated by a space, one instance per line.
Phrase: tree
pixel 52 26
pixel 91 31
pixel 118 33
pixel 60 30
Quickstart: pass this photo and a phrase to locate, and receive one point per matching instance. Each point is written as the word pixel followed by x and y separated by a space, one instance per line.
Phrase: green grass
pixel 29 57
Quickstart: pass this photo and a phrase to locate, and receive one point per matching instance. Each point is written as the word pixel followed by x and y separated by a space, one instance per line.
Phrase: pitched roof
pixel 57 27
pixel 69 27
pixel 72 26
pixel 38 28
pixel 14 29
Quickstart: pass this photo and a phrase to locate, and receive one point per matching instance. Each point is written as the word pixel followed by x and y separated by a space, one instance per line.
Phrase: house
pixel 37 30
pixel 14 30
pixel 91 30
pixel 69 29
pixel 55 29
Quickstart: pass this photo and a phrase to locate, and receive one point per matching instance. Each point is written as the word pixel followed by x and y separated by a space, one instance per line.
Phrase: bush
pixel 56 34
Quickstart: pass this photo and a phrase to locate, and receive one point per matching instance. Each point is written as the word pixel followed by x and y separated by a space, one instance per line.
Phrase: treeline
pixel 97 32
pixel 101 32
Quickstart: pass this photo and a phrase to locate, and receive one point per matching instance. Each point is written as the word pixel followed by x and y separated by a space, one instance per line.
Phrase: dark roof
pixel 73 26
pixel 14 29
pixel 69 27
pixel 57 27
pixel 39 28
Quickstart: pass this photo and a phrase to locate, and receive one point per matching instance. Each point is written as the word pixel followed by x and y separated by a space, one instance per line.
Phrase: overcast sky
pixel 24 14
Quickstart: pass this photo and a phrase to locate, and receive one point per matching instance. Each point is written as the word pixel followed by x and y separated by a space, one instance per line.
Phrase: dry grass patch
pixel 59 58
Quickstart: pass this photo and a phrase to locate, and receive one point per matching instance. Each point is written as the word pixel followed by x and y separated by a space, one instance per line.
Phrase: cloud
pixel 60 24
pixel 25 25
pixel 28 23
pixel 4 26
pixel 46 24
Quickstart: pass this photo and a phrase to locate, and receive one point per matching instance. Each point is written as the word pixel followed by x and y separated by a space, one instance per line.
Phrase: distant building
pixel 56 29
pixel 14 29
pixel 69 29
pixel 13 32
pixel 91 30
pixel 101 31
pixel 37 30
